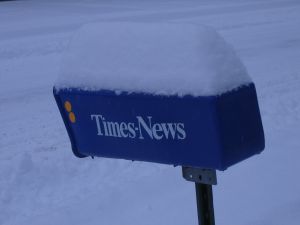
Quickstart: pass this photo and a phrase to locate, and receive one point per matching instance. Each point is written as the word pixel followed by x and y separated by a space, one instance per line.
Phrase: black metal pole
pixel 203 179
pixel 205 205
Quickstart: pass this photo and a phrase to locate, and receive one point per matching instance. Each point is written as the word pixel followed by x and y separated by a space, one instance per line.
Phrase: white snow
pixel 42 183
pixel 156 58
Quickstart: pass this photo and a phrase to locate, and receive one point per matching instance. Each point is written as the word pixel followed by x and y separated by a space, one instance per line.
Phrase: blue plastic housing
pixel 211 132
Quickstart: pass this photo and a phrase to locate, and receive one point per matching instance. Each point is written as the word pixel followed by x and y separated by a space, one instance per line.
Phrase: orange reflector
pixel 68 106
pixel 72 117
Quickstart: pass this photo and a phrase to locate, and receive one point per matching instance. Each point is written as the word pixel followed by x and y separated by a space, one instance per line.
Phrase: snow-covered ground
pixel 41 182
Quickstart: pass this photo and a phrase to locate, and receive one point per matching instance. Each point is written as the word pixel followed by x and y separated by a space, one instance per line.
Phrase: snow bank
pixel 151 58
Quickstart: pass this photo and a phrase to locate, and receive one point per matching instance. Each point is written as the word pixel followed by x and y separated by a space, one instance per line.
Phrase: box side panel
pixel 67 125
pixel 240 125
pixel 169 130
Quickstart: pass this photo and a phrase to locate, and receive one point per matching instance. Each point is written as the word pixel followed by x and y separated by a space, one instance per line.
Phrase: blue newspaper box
pixel 212 132
pixel 165 93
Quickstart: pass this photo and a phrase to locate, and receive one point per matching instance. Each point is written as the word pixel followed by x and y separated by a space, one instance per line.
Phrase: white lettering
pixel 97 117
pixel 123 129
pixel 181 132
pixel 143 124
pixel 144 128
pixel 155 129
pixel 169 128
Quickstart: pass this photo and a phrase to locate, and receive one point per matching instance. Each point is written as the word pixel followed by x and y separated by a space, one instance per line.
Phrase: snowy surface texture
pixel 156 58
pixel 42 183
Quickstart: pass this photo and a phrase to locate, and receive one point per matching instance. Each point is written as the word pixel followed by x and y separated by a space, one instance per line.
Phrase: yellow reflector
pixel 68 106
pixel 72 117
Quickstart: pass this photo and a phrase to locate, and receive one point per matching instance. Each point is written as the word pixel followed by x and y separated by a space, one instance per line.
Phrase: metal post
pixel 205 206
pixel 203 179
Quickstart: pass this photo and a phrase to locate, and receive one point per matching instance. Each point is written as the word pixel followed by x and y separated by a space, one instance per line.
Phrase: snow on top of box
pixel 165 59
